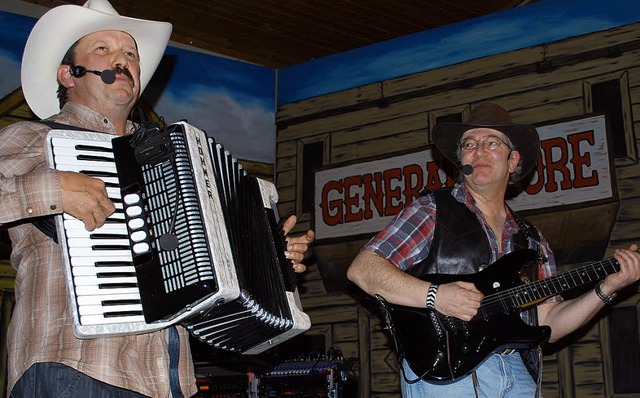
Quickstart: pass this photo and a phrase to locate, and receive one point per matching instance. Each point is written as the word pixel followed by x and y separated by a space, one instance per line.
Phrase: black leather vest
pixel 460 245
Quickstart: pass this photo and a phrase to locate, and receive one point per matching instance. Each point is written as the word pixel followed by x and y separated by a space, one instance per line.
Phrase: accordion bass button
pixel 134 211
pixel 136 223
pixel 140 248
pixel 131 198
pixel 138 236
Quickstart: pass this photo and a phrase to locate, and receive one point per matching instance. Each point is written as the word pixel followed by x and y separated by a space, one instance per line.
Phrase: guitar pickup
pixel 436 323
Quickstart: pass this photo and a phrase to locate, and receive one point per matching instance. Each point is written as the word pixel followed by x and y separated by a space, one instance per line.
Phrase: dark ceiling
pixel 279 33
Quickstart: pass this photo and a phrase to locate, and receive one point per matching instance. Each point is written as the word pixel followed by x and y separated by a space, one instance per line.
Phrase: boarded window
pixel 452 117
pixel 607 99
pixel 312 158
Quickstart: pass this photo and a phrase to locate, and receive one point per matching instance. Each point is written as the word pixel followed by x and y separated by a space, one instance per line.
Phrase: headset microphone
pixel 466 169
pixel 108 76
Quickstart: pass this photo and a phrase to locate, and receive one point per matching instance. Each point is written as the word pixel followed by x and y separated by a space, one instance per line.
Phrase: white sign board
pixel 573 167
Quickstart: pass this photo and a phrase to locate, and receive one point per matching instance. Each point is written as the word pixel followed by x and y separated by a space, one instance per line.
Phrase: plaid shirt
pixel 40 329
pixel 407 239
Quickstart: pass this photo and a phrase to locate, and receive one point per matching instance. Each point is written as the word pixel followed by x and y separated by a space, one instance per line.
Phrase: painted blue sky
pixel 13 37
pixel 533 24
pixel 233 101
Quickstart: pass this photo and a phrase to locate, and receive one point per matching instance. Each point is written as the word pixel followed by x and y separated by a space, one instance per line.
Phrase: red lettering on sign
pixel 567 162
pixel 549 148
pixel 331 210
pixel 578 160
pixel 433 177
pixel 412 182
pixel 373 194
pixel 392 207
pixel 352 199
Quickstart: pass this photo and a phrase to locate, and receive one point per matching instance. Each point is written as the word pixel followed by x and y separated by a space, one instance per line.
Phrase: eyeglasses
pixel 490 143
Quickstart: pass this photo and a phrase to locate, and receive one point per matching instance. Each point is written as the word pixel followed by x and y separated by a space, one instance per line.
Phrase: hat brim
pixel 446 137
pixel 58 29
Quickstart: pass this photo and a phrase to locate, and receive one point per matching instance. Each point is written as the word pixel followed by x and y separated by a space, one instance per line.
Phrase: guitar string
pixel 545 283
pixel 526 228
pixel 534 291
pixel 521 291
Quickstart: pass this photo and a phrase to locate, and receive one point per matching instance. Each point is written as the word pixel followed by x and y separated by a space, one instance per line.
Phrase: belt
pixel 507 351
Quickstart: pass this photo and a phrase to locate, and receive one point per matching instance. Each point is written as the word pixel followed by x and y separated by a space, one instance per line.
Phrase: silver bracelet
pixel 602 295
pixel 431 296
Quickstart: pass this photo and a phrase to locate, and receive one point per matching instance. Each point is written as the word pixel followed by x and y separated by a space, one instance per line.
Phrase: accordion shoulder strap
pixel 61 126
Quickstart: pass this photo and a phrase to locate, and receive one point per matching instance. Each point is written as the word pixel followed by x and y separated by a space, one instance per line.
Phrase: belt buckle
pixel 508 351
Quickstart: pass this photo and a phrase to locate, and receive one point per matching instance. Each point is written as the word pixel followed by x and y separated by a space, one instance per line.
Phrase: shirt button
pixel 105 121
pixel 53 207
pixel 29 210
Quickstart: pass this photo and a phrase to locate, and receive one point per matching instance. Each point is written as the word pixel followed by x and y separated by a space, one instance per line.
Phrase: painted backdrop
pixel 545 21
pixel 233 101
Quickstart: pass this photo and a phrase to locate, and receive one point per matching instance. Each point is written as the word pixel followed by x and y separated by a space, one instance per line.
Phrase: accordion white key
pixel 194 240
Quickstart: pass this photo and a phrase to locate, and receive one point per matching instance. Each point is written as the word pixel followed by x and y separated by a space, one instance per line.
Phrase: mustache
pixel 118 70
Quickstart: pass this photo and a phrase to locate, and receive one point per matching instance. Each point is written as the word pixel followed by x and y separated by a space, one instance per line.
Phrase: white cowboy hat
pixel 57 30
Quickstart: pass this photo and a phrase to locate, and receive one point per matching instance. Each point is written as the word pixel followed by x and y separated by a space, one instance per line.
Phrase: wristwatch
pixel 602 296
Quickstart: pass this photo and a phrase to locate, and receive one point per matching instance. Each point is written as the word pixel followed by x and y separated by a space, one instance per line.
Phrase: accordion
pixel 194 240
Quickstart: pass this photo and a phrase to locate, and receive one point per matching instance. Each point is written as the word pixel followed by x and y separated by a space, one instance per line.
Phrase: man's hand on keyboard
pixel 85 198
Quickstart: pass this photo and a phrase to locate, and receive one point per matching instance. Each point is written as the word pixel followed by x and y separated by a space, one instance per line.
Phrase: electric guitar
pixel 443 348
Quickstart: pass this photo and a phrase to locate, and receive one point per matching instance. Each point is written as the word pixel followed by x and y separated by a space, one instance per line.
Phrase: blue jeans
pixel 499 376
pixel 54 380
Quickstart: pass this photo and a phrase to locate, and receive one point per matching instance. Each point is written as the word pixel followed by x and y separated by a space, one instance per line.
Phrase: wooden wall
pixel 537 84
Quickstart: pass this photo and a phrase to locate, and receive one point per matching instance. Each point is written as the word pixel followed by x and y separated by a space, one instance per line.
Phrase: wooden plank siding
pixel 394 116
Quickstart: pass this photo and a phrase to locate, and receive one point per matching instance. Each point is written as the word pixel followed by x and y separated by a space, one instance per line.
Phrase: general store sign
pixel 573 167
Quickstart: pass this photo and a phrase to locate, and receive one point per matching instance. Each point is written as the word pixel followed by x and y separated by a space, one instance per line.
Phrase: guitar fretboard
pixel 528 294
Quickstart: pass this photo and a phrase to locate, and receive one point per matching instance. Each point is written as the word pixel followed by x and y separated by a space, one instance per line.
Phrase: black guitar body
pixel 439 348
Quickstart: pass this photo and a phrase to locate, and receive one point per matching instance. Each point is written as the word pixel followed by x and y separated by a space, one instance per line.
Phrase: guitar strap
pixel 532 233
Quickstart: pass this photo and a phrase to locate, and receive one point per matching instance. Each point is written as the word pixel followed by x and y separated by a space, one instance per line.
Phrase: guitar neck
pixel 534 293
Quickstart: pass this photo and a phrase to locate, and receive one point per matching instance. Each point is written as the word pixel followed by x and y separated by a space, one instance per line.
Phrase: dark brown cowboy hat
pixel 525 139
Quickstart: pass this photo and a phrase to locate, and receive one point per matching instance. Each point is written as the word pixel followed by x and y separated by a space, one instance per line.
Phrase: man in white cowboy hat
pixel 461 230
pixel 99 62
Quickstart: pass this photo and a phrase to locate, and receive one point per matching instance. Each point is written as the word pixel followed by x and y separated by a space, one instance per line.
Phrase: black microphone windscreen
pixel 77 70
pixel 108 76
pixel 466 169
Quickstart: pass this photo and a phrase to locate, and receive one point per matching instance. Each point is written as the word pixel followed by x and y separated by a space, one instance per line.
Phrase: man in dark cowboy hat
pixel 462 230
pixel 45 358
